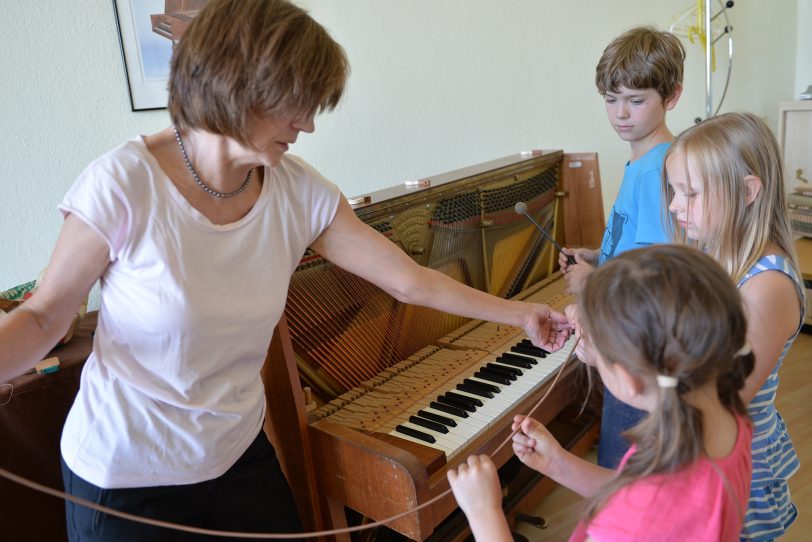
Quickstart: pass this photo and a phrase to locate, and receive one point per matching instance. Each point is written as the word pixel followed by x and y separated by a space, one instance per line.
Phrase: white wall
pixel 435 86
pixel 803 51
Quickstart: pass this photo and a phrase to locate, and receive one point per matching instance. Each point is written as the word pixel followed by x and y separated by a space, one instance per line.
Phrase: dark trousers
pixel 253 495
pixel 616 417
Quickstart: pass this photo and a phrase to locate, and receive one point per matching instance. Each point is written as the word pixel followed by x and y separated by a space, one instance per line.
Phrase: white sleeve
pixel 97 199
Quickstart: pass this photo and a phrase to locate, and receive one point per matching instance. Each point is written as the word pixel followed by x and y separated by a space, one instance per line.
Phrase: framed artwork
pixel 147 30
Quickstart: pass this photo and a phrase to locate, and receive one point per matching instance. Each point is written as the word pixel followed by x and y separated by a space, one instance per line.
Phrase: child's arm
pixel 536 447
pixel 575 274
pixel 773 313
pixel 476 486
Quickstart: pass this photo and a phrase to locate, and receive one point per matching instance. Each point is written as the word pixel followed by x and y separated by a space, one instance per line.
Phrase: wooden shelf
pixel 803 246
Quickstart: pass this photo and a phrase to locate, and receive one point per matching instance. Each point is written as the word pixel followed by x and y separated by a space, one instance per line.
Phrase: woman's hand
pixel 546 328
pixel 534 445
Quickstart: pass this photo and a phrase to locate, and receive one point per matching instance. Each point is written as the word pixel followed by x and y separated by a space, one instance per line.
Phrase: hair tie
pixel 665 381
pixel 744 350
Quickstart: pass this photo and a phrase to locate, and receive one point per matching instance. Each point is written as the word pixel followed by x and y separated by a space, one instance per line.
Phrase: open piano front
pixel 407 392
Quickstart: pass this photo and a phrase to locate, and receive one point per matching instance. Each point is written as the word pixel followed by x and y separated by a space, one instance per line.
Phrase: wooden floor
pixel 795 405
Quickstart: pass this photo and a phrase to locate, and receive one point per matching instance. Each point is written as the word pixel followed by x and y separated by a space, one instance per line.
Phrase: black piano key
pixel 472 400
pixel 449 409
pixel 526 342
pixel 515 362
pixel 437 418
pixel 476 391
pixel 507 370
pixel 504 372
pixel 428 424
pixel 515 357
pixel 415 433
pixel 495 376
pixel 530 351
pixel 464 405
pixel 482 385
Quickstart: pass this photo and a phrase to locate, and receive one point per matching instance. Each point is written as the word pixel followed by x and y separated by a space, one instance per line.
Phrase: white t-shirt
pixel 171 393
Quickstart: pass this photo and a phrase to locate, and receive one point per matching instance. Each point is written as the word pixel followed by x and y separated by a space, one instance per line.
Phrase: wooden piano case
pixel 347 340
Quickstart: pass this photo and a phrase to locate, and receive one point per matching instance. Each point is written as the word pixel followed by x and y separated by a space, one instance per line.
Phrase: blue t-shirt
pixel 636 217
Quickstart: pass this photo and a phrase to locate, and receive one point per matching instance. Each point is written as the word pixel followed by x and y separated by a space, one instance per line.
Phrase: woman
pixel 194 233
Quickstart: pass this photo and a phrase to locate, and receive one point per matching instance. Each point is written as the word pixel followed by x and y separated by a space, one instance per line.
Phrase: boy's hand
pixel 534 445
pixel 575 274
pixel 476 486
pixel 587 255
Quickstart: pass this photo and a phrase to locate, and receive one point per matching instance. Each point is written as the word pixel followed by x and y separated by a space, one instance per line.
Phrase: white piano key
pixel 435 445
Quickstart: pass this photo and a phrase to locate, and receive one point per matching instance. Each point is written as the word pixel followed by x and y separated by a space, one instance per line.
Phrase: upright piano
pixel 402 393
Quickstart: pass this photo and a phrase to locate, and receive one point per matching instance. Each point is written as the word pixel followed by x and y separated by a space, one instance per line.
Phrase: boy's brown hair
pixel 241 60
pixel 642 58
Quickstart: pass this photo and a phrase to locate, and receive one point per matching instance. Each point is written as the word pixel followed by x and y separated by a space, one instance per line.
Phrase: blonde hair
pixel 723 151
pixel 241 60
pixel 667 310
pixel 642 58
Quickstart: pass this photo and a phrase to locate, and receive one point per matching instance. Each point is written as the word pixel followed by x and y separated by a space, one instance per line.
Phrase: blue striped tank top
pixel 770 510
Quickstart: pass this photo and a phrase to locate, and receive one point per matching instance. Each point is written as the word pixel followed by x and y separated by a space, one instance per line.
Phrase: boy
pixel 639 76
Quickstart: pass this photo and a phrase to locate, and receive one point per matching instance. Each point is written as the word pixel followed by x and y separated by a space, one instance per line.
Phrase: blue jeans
pixel 616 417
pixel 253 495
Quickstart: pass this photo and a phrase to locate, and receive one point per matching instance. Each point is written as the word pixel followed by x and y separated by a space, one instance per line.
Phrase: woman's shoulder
pixel 299 174
pixel 296 168
pixel 122 162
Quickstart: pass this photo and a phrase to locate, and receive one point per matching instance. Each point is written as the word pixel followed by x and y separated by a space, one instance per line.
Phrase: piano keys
pixel 479 399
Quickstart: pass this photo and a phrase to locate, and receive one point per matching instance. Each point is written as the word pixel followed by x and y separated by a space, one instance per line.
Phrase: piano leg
pixel 338 519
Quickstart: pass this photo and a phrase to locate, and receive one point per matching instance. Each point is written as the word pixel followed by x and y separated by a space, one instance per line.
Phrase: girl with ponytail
pixel 666 330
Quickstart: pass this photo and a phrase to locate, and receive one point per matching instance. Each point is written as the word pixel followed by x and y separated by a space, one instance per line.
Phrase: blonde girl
pixel 723 179
pixel 666 330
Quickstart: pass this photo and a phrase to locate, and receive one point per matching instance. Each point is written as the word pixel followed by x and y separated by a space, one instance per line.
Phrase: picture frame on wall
pixel 147 30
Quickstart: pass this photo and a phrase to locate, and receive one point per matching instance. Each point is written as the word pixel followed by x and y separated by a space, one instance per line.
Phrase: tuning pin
pixel 310 404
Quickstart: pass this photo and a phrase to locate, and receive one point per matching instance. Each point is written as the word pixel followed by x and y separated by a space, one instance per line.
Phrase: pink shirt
pixel 693 504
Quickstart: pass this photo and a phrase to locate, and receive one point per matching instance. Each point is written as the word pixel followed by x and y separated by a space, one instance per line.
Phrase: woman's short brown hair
pixel 241 60
pixel 642 58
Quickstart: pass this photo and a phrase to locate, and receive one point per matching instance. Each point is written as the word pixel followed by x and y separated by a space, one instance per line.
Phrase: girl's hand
pixel 571 312
pixel 476 486
pixel 583 350
pixel 534 445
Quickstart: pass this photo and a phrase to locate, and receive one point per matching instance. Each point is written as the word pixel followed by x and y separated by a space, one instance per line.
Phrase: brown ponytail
pixel 667 310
